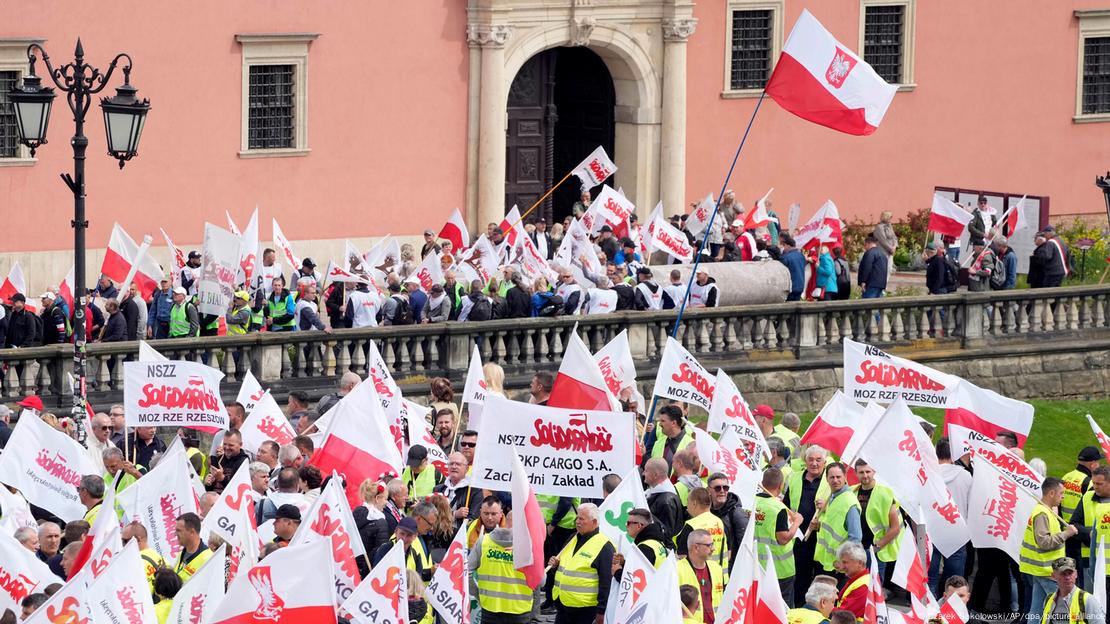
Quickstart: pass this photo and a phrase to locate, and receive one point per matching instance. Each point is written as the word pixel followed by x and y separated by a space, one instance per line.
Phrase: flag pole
pixel 540 200
pixel 708 227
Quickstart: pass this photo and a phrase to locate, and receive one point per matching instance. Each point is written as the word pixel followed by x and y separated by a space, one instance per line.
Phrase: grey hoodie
pixel 958 481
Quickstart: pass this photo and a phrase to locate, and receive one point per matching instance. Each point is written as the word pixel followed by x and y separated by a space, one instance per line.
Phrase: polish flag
pixel 834 424
pixel 770 606
pixel 910 574
pixel 121 253
pixel 455 231
pixel 285 247
pixel 595 169
pixel 512 226
pixel 103 540
pixel 579 383
pixel 988 412
pixel 1015 217
pixel 876 600
pixel 758 217
pixel 948 217
pixel 357 442
pixel 13 283
pixel 292 584
pixel 382 597
pixel 529 530
pixel 823 227
pixel 1103 441
pixel 954 611
pixel 820 80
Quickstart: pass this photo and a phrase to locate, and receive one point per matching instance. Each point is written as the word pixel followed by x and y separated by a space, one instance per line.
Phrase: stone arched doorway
pixel 560 107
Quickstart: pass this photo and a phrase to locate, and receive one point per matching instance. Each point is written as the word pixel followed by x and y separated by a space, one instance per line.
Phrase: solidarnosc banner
pixel 219 266
pixel 566 452
pixel 871 374
pixel 173 394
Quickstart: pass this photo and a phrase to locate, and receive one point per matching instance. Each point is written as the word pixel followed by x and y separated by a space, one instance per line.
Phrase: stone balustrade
pixel 739 339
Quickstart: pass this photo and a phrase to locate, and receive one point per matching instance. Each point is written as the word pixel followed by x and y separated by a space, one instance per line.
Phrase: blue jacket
pixel 826 273
pixel 795 263
pixel 872 269
pixel 1010 262
pixel 160 305
pixel 620 258
pixel 417 301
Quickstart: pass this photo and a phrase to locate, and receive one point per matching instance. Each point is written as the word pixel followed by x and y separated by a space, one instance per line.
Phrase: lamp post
pixel 1103 182
pixel 124 116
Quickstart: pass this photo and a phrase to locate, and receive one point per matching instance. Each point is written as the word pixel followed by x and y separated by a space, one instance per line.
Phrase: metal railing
pixel 724 337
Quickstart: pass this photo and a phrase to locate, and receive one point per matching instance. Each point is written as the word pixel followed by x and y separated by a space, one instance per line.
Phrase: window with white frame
pixel 13 66
pixel 275 94
pixel 887 39
pixel 1092 98
pixel 753 41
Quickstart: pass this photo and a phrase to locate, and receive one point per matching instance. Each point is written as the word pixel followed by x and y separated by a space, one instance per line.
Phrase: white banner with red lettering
pixel 999 508
pixel 633 584
pixel 121 593
pixel 21 573
pixel 566 452
pixel 379 373
pixel 199 595
pixel 46 466
pixel 383 596
pixel 429 272
pixel 723 457
pixel 964 440
pixel 871 374
pixel 904 458
pixel 156 500
pixel 330 517
pixel 729 411
pixel 225 517
pixel 698 218
pixel 218 267
pixel 682 378
pixel 250 392
pixel 532 263
pixel 173 394
pixel 69 605
pixel 613 207
pixel 420 434
pixel 266 422
pixel 449 590
pixel 663 236
pixel 595 169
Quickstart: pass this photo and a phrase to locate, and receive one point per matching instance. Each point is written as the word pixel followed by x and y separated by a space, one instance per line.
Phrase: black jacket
pixel 374 533
pixel 130 311
pixel 641 303
pixel 872 269
pixel 668 512
pixel 652 532
pixel 934 275
pixel 735 519
pixel 53 325
pixel 517 303
pixel 626 296
pixel 116 328
pixel 23 329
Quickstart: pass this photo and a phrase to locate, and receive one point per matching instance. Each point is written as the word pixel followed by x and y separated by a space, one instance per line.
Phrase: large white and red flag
pixel 699 216
pixel 248 250
pixel 284 246
pixel 823 227
pixel 420 434
pixel 729 411
pixel 875 610
pixel 103 540
pixel 358 443
pixel 1103 440
pixel 199 596
pixel 947 217
pixel 122 252
pixel 821 80
pixel 178 258
pixel 21 573
pixel 835 423
pixel 156 500
pixel 266 422
pixel 455 231
pixel 904 458
pixel 964 440
pixel 68 605
pixel 625 596
pixel 682 378
pixel 1015 217
pixel 449 590
pixel 871 374
pixel 14 283
pixel 66 288
pixel 512 226
pixel 987 412
pixel 46 466
pixel 532 263
pixel 771 608
pixel 724 457
pixel 739 602
pixel 595 169
pixel 382 597
pixel 529 530
pixel 225 517
pixel 911 575
pixel 330 517
pixel 430 272
pixel 292 584
pixel 579 383
pixel 479 262
pixel 758 217
pixel 613 207
pixel 619 369
pixel 121 592
pixel 663 236
pixel 999 507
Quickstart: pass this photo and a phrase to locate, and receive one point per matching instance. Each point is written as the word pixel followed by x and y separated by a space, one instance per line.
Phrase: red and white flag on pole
pixel 46 466
pixel 910 574
pixel 293 584
pixel 69 605
pixel 358 443
pixel 284 246
pixel 613 207
pixel 663 236
pixel 103 540
pixel 224 519
pixel 876 609
pixel 66 288
pixel 698 219
pixel 121 254
pixel 988 412
pixel 954 610
pixel 1015 217
pixel 579 383
pixel 759 216
pixel 595 169
pixel 823 227
pixel 330 517
pixel 682 377
pixel 121 593
pixel 199 596
pixel 21 573
pixel 834 424
pixel 947 217
pixel 738 602
pixel 729 411
pixel 770 606
pixel 266 422
pixel 821 80
pixel 430 272
pixel 178 258
pixel 964 440
pixel 529 530
pixel 999 508
pixel 1103 441
pixel 455 231
pixel 156 500
pixel 723 457
pixel 512 226
pixel 474 392
pixel 337 273
pixel 383 596
pixel 14 283
pixel 449 590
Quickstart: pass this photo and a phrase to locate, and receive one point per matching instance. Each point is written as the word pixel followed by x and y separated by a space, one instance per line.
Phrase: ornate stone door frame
pixel 643 43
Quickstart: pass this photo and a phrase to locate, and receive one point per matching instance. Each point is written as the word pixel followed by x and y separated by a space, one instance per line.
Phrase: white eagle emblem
pixel 841 65
pixel 271 605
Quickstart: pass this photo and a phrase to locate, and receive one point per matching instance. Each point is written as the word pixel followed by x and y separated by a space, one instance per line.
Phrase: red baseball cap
pixel 31 402
pixel 764 411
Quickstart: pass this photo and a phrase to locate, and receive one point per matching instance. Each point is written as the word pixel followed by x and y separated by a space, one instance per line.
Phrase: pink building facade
pixel 355 120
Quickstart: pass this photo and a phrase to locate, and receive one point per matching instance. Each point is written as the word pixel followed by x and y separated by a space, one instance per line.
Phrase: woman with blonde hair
pixel 419 613
pixel 370 519
pixel 495 379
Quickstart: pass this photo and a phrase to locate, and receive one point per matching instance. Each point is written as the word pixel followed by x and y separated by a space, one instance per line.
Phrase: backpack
pixel 552 306
pixel 951 273
pixel 998 273
pixel 482 310
pixel 403 314
pixel 843 277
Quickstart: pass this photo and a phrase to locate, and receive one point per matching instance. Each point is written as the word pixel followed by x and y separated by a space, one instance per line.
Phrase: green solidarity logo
pixel 619 521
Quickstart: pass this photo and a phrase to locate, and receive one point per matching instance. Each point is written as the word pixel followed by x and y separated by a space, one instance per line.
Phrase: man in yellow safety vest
pixel 701 570
pixel 775 527
pixel 1043 544
pixel 583 572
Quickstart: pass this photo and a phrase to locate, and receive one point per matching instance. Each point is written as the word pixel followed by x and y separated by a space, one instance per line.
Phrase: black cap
pixel 1090 453
pixel 18 297
pixel 417 455
pixel 194 255
pixel 606 228
pixel 408 524
pixel 977 241
pixel 498 230
pixel 627 242
pixel 307 262
pixel 643 271
pixel 288 512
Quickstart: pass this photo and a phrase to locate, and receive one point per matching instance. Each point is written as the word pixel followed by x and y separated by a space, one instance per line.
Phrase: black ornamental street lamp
pixel 124 116
pixel 1103 182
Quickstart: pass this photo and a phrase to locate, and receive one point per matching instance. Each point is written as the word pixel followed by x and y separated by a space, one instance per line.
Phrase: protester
pixel 872 273
pixel 583 572
pixel 1069 603
pixel 882 519
pixel 775 527
pixel 820 600
pixel 702 570
pixel 194 552
pixel 1042 545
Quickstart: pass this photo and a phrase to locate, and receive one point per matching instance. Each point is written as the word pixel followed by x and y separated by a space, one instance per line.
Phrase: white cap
pixel 48 295
pixel 737 222
pixel 180 290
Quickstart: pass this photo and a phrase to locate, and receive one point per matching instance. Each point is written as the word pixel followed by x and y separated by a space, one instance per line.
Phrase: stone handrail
pixel 728 337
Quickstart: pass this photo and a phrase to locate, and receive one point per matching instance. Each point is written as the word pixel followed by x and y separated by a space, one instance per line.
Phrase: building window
pixel 272 119
pixel 13 66
pixel 753 41
pixel 275 94
pixel 1096 75
pixel 9 136
pixel 887 39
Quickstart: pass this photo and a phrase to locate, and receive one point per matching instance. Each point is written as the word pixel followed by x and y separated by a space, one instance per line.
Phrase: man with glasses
pixel 456 487
pixel 467 442
pixel 569 290
pixel 99 441
pixel 119 429
pixel 91 494
pixel 648 537
pixel 733 516
pixel 583 572
pixel 115 464
pixel 426 516
pixel 700 570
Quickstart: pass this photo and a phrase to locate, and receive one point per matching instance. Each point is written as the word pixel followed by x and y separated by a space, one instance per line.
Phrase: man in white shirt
pixel 600 300
pixel 265 274
pixel 99 440
pixel 362 307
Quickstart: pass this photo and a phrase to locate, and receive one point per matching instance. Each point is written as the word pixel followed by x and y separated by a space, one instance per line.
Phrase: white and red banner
pixel 379 374
pixel 480 262
pixel 474 392
pixel 292 584
pixel 430 272
pixel 999 507
pixel 219 266
pixel 330 517
pixel 69 605
pixel 821 80
pixel 337 273
pixel 121 253
pixel 682 378
pixel 250 392
pixel 199 595
pixel 904 458
pixel 661 601
pixel 876 609
pixel 724 457
pixel 613 511
pixel 383 596
pixel 617 367
pixel 449 590
pixel 532 263
pixel 248 249
pixel 965 440
pixel 637 572
pixel 566 452
pixel 420 434
pixel 698 219
pixel 835 423
pixel 988 412
pixel 871 374
pixel 579 383
pixel 46 466
pixel 595 169
pixel 823 227
pixel 1103 440
pixel 14 283
pixel 739 601
pixel 954 610
pixel 613 207
pixel 266 422
pixel 729 411
pixel 358 443
pixel 455 231
pixel 156 500
pixel 103 540
pixel 175 393
pixel 121 593
pixel 529 531
pixel 21 573
pixel 948 217
pixel 284 247
pixel 910 574
pixel 758 217
pixel 663 236
pixel 226 515
pixel 178 258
